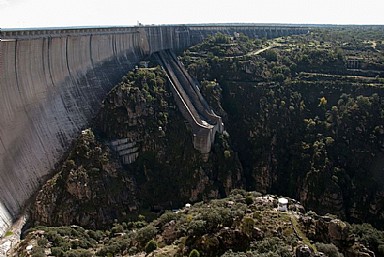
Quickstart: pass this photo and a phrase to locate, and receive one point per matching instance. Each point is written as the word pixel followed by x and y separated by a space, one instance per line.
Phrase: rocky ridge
pixel 244 224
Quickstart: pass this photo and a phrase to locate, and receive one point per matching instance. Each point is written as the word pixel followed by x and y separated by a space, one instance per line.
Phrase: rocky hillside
pixel 302 122
pixel 244 224
pixel 93 188
pixel 304 118
pixel 87 182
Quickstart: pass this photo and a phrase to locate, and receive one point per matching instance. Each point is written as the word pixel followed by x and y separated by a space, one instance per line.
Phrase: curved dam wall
pixel 199 32
pixel 52 82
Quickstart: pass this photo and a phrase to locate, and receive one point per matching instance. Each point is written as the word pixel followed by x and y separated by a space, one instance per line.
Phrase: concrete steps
pixel 128 151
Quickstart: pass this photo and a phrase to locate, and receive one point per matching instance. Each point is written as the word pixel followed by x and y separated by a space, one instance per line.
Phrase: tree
pixel 150 246
pixel 145 234
pixel 270 55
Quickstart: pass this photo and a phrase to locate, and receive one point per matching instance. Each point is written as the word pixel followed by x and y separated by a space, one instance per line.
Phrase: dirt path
pixel 260 50
pixel 257 52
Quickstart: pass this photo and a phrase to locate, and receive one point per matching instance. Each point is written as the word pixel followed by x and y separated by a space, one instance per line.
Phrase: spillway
pixel 192 105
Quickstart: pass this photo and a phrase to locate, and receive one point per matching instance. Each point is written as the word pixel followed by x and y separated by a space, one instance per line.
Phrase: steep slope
pixel 244 224
pixel 303 124
pixel 93 190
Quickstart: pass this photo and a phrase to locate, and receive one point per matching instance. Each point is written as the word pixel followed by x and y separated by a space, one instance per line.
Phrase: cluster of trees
pixel 323 50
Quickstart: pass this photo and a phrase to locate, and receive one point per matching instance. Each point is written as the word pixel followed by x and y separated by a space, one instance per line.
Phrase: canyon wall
pixel 52 82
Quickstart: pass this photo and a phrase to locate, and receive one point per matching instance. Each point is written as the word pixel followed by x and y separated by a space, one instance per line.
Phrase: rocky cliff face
pixel 87 183
pixel 169 171
pixel 92 188
pixel 327 157
pixel 300 130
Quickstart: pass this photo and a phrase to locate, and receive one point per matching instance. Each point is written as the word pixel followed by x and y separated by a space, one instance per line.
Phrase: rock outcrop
pixel 93 189
pixel 89 189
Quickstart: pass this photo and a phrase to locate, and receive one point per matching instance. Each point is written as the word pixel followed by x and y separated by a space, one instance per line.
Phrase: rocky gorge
pixel 298 123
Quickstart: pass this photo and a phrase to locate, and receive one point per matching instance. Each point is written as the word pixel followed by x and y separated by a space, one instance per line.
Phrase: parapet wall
pixel 198 33
pixel 52 82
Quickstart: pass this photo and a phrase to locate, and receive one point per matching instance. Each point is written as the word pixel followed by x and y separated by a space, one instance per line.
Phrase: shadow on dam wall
pixel 53 81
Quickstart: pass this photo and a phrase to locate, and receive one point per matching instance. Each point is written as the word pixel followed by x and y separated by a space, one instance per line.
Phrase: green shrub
pixel 368 235
pixel 96 235
pixel 145 234
pixel 329 249
pixel 67 231
pixel 150 246
pixel 271 246
pixel 108 250
pixel 78 253
pixel 115 246
pixel 80 243
pixel 117 228
pixel 54 237
pixel 194 253
pixel 133 250
pixel 247 225
pixel 167 217
pixel 57 251
pixel 42 242
pixel 8 233
pixel 38 251
pixel 197 228
pixel 249 200
pixel 237 191
pixel 270 55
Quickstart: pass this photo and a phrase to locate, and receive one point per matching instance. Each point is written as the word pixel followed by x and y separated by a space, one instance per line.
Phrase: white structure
pixel 282 204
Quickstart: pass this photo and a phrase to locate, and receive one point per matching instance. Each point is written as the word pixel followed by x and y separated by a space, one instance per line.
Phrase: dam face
pixel 52 83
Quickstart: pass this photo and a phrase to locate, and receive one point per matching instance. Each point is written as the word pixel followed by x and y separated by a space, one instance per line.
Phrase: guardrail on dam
pixel 52 82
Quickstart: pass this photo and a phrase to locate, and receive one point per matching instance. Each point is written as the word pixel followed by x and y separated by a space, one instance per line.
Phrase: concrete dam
pixel 53 81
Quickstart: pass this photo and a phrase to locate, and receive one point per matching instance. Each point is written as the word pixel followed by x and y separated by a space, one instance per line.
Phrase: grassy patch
pixel 300 234
pixel 8 233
